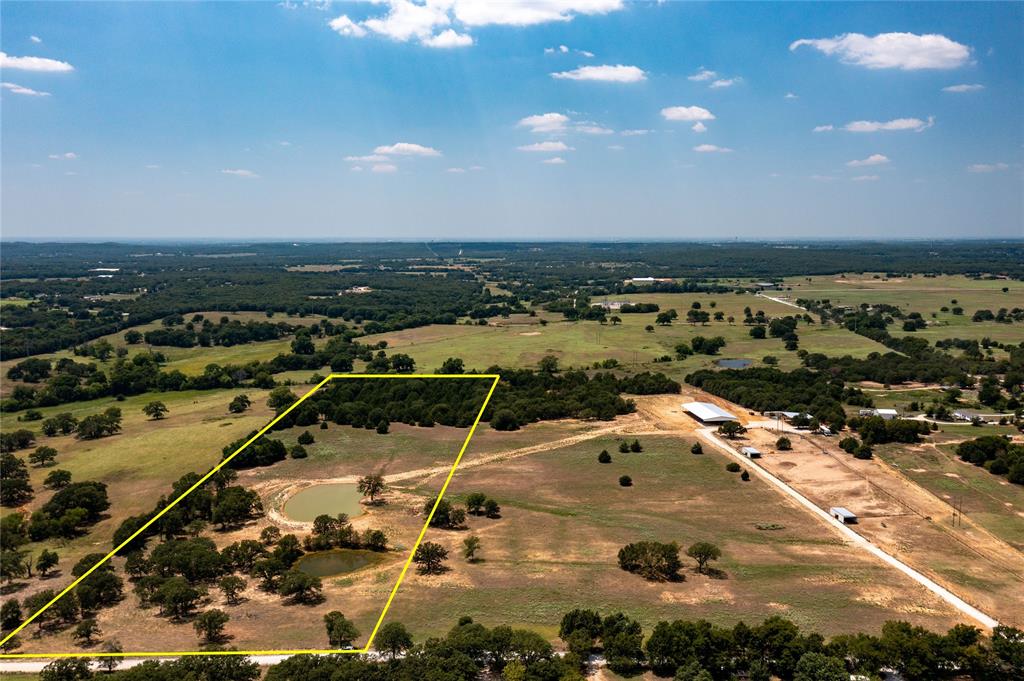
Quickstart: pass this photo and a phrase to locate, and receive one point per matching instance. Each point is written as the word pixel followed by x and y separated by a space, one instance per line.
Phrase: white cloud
pixel 384 168
pixel 725 82
pixel 987 167
pixel 634 133
pixel 448 38
pixel 345 26
pixel 616 147
pixel 865 178
pixel 897 124
pixel 588 128
pixel 965 87
pixel 240 172
pixel 687 113
pixel 528 12
pixel 544 123
pixel 618 73
pixel 790 95
pixel 356 169
pixel 369 158
pixel 906 51
pixel 407 149
pixel 66 156
pixel 711 149
pixel 585 53
pixel 699 127
pixel 703 74
pixel 34 64
pixel 22 90
pixel 556 161
pixel 823 128
pixel 564 49
pixel 152 166
pixel 823 178
pixel 36 39
pixel 406 20
pixel 872 160
pixel 456 170
pixel 546 147
pixel 284 143
pixel 475 168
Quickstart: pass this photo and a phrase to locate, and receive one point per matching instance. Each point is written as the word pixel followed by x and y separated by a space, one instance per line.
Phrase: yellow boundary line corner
pixel 329 651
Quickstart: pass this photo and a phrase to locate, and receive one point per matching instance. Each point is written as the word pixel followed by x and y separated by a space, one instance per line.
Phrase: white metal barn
pixel 843 515
pixel 707 412
pixel 751 452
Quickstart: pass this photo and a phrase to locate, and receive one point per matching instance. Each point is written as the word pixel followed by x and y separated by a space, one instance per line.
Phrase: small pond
pixel 734 363
pixel 330 499
pixel 338 561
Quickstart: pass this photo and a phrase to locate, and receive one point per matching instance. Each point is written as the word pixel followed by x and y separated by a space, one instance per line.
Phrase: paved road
pixel 708 434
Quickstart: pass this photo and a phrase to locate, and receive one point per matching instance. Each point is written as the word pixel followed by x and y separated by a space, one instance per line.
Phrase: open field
pixel 140 463
pixel 581 344
pixel 987 499
pixel 925 295
pixel 907 521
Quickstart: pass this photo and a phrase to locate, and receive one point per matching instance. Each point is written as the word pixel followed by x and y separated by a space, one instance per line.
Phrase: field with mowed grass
pixel 989 500
pixel 927 295
pixel 564 517
pixel 580 344
pixel 139 464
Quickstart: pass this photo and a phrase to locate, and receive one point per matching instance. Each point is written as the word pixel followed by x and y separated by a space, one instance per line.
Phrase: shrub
pixel 625 481
pixel 783 444
pixel 732 467
pixel 696 448
pixel 604 457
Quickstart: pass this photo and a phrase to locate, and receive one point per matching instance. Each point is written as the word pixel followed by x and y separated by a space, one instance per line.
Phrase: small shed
pixel 887 414
pixel 843 515
pixel 751 452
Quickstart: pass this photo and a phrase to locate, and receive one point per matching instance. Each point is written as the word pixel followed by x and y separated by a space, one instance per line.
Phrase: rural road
pixel 708 434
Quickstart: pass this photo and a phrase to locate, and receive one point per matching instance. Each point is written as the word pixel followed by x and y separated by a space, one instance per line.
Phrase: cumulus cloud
pixel 356 169
pixel 22 90
pixel 823 128
pixel 965 87
pixel 699 127
pixel 556 161
pixel 564 49
pixel 36 39
pixel 905 51
pixel 725 82
pixel 240 172
pixel 711 149
pixel 39 64
pixel 449 38
pixel 66 156
pixel 895 125
pixel 405 20
pixel 865 178
pixel 872 160
pixel 345 26
pixel 384 168
pixel 617 73
pixel 544 123
pixel 546 147
pixel 703 74
pixel 634 132
pixel 407 149
pixel 687 113
pixel 987 167
pixel 790 95
pixel 369 158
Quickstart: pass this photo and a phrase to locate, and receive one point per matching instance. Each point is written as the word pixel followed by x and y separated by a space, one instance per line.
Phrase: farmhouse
pixel 843 515
pixel 643 281
pixel 751 452
pixel 613 305
pixel 705 412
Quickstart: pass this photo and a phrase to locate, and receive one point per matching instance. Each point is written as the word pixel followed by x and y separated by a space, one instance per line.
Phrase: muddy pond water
pixel 330 499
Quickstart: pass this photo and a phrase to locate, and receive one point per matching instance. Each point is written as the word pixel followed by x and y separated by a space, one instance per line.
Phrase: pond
pixel 338 561
pixel 330 499
pixel 734 363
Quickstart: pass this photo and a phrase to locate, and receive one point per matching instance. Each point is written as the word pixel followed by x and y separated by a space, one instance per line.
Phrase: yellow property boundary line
pixel 330 651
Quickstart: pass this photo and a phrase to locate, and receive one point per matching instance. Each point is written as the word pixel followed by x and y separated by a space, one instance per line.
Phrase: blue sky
pixel 463 120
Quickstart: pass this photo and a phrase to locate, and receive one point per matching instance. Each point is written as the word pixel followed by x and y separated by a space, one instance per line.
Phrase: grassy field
pixel 564 517
pixel 988 499
pixel 582 343
pixel 924 295
pixel 140 463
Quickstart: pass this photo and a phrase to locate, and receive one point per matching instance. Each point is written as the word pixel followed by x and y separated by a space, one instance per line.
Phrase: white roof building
pixel 843 515
pixel 707 412
pixel 887 413
pixel 751 452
